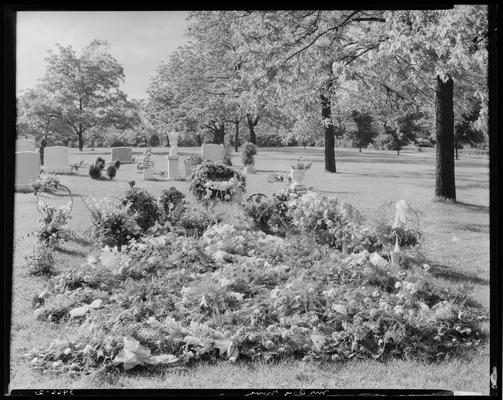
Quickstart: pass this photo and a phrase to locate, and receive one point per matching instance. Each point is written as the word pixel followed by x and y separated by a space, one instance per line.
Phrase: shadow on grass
pixel 473 207
pixel 80 240
pixel 71 252
pixel 482 228
pixel 445 272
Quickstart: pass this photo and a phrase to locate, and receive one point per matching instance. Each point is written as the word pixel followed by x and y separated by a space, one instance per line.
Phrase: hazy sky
pixel 139 40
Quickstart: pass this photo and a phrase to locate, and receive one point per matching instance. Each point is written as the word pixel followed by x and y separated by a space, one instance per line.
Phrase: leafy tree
pixel 297 50
pixel 440 55
pixel 36 116
pixel 85 88
pixel 365 132
pixel 466 131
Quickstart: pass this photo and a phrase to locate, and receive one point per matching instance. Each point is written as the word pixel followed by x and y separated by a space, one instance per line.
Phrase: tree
pixel 365 132
pixel 36 116
pixel 86 88
pixel 465 130
pixel 299 48
pixel 441 54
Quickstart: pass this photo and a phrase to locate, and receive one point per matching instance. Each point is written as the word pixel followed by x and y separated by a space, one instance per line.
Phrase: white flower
pixel 398 285
pixel 426 267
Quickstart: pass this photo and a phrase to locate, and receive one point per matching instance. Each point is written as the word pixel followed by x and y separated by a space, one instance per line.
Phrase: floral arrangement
pixel 214 172
pixel 144 205
pixel 301 164
pixel 171 203
pixel 271 215
pixel 321 216
pixel 41 261
pixel 237 293
pixel 51 224
pixel 44 181
pixel 75 166
pixel 113 222
pixel 191 162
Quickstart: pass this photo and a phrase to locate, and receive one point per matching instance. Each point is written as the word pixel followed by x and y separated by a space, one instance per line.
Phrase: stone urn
pixel 297 176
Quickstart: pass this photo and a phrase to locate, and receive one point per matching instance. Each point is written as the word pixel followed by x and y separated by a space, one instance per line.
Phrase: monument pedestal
pixel 172 166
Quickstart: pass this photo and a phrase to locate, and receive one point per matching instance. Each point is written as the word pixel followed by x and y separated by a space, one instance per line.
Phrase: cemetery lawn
pixel 456 240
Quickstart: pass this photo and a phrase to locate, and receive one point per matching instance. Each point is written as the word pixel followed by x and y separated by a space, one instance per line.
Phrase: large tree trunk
pixel 80 135
pixel 219 133
pixel 251 127
pixel 445 186
pixel 326 114
pixel 236 137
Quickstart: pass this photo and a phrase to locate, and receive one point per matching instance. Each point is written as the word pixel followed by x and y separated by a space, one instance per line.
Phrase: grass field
pixel 456 240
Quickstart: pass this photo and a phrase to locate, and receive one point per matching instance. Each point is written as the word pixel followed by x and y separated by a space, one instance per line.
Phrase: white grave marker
pixel 148 174
pixel 123 154
pixel 27 169
pixel 25 145
pixel 212 152
pixel 56 160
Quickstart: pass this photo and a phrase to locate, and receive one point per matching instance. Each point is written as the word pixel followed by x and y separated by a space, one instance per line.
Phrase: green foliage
pixel 208 172
pixel 329 222
pixel 465 130
pixel 248 152
pixel 237 293
pixel 270 215
pixel 365 133
pixel 111 171
pixel 194 221
pixel 85 89
pixel 41 261
pixel 100 162
pixel 227 160
pixel 114 224
pixel 191 162
pixel 172 203
pixel 95 171
pixel 144 205
pixel 52 224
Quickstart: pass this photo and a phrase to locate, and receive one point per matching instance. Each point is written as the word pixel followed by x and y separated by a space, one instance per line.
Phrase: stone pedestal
pixel 25 145
pixel 172 167
pixel 56 160
pixel 148 174
pixel 27 170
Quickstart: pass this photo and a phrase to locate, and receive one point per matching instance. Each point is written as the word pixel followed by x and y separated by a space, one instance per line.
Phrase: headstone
pixel 25 145
pixel 172 166
pixel 27 169
pixel 56 160
pixel 212 152
pixel 123 154
pixel 148 174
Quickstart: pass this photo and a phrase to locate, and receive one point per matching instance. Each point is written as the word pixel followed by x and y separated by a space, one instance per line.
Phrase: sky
pixel 139 40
